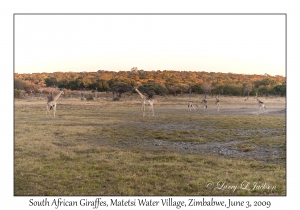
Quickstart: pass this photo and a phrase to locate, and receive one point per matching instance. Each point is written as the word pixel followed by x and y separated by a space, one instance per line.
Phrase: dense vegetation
pixel 153 82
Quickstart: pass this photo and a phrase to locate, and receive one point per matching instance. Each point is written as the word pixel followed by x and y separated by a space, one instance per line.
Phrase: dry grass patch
pixel 107 148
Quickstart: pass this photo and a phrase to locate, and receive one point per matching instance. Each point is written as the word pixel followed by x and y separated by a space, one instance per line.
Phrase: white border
pixel 8 8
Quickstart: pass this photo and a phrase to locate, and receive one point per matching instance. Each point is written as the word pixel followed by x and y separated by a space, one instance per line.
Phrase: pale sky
pixel 246 44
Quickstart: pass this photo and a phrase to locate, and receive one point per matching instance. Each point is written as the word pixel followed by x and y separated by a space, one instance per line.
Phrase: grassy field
pixel 105 147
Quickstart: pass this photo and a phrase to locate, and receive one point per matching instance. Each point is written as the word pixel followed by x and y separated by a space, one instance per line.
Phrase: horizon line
pixel 146 70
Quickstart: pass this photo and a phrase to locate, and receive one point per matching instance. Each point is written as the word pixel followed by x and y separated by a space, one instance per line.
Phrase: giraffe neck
pixel 140 94
pixel 58 95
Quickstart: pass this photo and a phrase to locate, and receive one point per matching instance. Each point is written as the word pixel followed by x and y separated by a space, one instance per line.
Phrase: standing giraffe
pixel 145 101
pixel 51 104
pixel 261 104
pixel 218 103
pixel 204 102
pixel 191 105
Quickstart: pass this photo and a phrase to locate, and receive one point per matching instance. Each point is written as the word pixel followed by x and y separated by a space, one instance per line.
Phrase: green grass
pixel 110 171
pixel 108 148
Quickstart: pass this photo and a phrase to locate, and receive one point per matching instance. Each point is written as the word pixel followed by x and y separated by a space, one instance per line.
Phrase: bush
pixel 89 97
pixel 17 93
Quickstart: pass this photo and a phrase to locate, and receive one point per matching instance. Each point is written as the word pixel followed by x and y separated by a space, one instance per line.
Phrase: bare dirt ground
pixel 227 149
pixel 223 149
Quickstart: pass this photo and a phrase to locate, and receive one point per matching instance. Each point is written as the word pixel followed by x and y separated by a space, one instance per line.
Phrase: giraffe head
pixel 137 85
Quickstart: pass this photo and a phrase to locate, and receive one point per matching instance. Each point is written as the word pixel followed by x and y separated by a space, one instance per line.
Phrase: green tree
pixel 281 89
pixel 120 88
pixel 154 88
pixel 196 88
pixel 73 85
pixel 50 81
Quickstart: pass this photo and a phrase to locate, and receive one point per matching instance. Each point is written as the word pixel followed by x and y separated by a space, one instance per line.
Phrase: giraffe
pixel 218 103
pixel 51 104
pixel 145 101
pixel 204 102
pixel 261 104
pixel 191 105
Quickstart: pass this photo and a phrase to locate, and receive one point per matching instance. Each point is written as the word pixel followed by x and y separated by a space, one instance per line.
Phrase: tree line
pixel 155 82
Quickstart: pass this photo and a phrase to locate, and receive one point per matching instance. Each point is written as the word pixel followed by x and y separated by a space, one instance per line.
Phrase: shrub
pixel 89 97
pixel 17 93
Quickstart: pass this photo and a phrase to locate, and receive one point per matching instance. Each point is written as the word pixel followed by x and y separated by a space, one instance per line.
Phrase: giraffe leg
pixel 152 111
pixel 142 107
pixel 144 110
pixel 54 110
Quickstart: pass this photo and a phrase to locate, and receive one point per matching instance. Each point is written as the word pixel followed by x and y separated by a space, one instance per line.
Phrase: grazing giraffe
pixel 51 104
pixel 218 103
pixel 261 104
pixel 191 105
pixel 145 101
pixel 204 102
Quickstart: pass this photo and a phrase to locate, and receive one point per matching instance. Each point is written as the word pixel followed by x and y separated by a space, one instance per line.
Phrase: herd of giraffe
pixel 191 104
pixel 204 102
pixel 51 104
